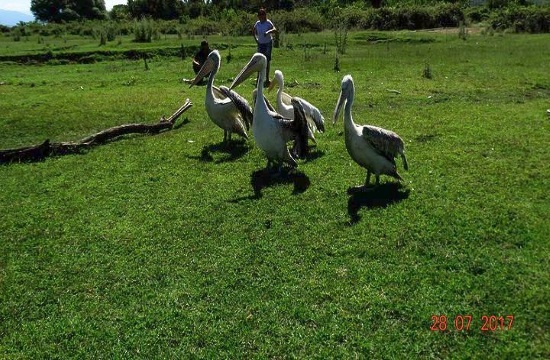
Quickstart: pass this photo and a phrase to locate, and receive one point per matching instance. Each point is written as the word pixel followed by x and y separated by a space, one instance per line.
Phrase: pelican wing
pixel 385 142
pixel 284 122
pixel 301 128
pixel 218 93
pixel 313 114
pixel 286 98
pixel 240 103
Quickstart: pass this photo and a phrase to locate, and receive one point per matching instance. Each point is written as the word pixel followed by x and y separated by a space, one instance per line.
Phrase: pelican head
pixel 212 63
pixel 256 64
pixel 277 78
pixel 348 89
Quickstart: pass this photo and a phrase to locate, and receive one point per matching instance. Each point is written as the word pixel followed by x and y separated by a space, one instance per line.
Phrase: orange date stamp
pixel 464 323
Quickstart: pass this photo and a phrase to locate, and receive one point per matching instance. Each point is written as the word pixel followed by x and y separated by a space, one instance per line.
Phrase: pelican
pixel 227 109
pixel 315 120
pixel 271 130
pixel 369 146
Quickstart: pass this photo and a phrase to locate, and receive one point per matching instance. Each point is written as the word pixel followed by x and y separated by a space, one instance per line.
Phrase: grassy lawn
pixel 157 247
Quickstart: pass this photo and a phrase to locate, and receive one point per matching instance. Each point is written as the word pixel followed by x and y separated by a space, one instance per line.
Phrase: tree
pixel 120 12
pixel 67 10
pixel 158 9
pixel 376 3
pixel 47 10
pixel 88 9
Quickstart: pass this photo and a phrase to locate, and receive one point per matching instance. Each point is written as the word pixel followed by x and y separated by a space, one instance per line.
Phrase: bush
pixel 144 31
pixel 531 19
pixel 297 21
pixel 477 14
pixel 16 34
pixel 448 15
pixel 203 26
pixel 409 17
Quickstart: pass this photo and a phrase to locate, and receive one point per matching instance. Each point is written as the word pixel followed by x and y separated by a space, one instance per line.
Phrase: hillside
pixel 11 18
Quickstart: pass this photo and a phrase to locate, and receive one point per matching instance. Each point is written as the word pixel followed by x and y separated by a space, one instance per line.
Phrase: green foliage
pixel 157 9
pixel 462 31
pixel 411 17
pixel 144 30
pixel 62 10
pixel 119 13
pixel 16 34
pixel 531 19
pixel 500 4
pixel 408 15
pixel 341 38
pixel 299 20
pixel 427 72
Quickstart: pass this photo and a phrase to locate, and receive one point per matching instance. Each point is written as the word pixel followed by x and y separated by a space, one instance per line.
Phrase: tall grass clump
pixel 341 38
pixel 16 34
pixel 427 72
pixel 462 31
pixel 143 31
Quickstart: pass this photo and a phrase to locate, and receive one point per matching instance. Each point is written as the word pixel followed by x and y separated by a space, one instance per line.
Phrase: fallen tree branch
pixel 47 148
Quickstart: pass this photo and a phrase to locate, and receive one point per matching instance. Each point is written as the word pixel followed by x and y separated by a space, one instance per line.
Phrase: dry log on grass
pixel 47 148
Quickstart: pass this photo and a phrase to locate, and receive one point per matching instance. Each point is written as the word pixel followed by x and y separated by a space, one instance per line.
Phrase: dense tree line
pixel 184 10
pixel 68 10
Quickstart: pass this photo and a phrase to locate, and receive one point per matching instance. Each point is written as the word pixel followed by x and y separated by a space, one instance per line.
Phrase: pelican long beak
pixel 249 69
pixel 272 84
pixel 205 70
pixel 339 105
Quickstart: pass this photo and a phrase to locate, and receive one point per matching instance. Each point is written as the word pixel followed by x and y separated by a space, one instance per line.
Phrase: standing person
pixel 263 28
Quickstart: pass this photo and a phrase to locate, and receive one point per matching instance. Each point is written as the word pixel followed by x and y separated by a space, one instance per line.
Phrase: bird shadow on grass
pixel 263 178
pixel 374 197
pixel 231 150
pixel 315 154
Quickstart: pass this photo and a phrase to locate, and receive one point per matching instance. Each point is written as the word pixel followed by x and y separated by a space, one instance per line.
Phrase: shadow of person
pixel 374 197
pixel 261 179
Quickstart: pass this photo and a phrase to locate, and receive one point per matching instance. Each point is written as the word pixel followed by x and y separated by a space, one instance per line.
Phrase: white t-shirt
pixel 261 28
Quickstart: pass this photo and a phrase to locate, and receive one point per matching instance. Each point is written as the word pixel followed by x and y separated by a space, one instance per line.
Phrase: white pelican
pixel 315 120
pixel 225 107
pixel 369 146
pixel 271 130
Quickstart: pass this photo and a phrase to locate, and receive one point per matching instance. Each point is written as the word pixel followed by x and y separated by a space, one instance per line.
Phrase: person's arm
pixel 272 30
pixel 255 33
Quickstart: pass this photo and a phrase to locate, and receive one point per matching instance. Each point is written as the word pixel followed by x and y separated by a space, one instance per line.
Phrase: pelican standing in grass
pixel 225 107
pixel 271 130
pixel 369 146
pixel 315 120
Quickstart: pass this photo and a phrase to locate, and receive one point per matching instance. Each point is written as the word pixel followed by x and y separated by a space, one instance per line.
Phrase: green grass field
pixel 157 247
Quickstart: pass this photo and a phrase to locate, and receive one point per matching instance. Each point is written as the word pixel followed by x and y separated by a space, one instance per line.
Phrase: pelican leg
pixel 272 167
pixel 367 180
pixel 225 136
pixel 377 180
pixel 279 169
